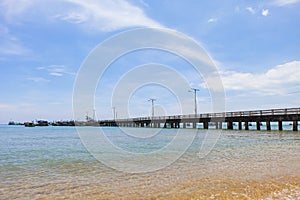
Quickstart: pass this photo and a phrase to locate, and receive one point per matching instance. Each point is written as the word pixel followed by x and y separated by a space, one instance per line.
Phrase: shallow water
pixel 51 162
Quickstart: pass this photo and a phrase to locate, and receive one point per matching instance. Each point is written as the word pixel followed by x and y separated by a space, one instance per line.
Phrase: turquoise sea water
pixel 51 162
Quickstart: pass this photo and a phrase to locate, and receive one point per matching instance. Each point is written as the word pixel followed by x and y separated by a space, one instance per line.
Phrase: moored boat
pixel 29 124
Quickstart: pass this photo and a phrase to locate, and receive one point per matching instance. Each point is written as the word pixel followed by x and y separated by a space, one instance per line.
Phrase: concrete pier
pixel 229 125
pixel 240 126
pixel 258 125
pixel 268 124
pixel 280 125
pixel 278 116
pixel 246 125
pixel 295 125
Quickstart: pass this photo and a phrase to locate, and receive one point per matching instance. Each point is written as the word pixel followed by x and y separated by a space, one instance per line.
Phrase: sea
pixel 58 163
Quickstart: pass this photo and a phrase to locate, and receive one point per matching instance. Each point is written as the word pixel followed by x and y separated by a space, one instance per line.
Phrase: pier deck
pixel 244 119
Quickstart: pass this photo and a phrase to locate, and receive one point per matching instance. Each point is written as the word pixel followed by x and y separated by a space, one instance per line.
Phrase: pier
pixel 242 120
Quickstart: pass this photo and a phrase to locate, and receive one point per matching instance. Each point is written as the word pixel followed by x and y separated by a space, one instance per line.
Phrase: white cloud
pixel 13 8
pixel 56 74
pixel 280 80
pixel 211 20
pixel 144 3
pixel 56 70
pixel 265 12
pixel 38 79
pixel 104 15
pixel 10 44
pixel 281 3
pixel 73 17
pixel 107 15
pixel 251 10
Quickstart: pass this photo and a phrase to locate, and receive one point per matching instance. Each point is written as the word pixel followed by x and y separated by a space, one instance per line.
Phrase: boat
pixel 63 123
pixel 14 123
pixel 11 123
pixel 42 123
pixel 29 124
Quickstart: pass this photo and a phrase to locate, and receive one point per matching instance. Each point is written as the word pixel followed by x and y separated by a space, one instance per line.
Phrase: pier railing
pixel 272 112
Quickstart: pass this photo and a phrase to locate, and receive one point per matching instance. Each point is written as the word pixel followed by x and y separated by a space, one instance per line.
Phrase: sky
pixel 254 45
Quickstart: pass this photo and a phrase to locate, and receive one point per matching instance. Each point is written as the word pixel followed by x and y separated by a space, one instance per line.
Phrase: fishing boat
pixel 42 123
pixel 29 124
pixel 11 123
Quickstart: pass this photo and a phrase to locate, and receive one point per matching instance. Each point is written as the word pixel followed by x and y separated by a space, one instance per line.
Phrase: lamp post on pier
pixel 152 102
pixel 114 111
pixel 195 98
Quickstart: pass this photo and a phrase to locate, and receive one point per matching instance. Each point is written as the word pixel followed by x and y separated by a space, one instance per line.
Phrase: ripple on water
pixel 53 164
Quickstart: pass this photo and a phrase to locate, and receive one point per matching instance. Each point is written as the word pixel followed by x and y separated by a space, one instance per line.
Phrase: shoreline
pixel 206 188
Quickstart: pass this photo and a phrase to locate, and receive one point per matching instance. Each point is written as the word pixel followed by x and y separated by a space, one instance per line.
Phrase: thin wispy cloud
pixel 14 8
pixel 281 3
pixel 212 20
pixel 73 17
pixel 10 45
pixel 107 15
pixel 251 10
pixel 38 79
pixel 56 70
pixel 144 3
pixel 104 15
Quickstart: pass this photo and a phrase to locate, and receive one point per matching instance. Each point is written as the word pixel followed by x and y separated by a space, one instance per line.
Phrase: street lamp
pixel 114 111
pixel 152 102
pixel 94 113
pixel 195 97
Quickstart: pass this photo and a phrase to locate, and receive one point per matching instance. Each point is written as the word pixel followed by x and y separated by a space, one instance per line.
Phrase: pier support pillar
pixel 240 126
pixel 268 123
pixel 229 125
pixel 246 126
pixel 258 126
pixel 184 124
pixel 295 125
pixel 220 125
pixel 194 124
pixel 280 125
pixel 205 125
pixel 172 124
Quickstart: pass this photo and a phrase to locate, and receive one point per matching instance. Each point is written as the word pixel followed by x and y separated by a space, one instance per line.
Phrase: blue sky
pixel 255 45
